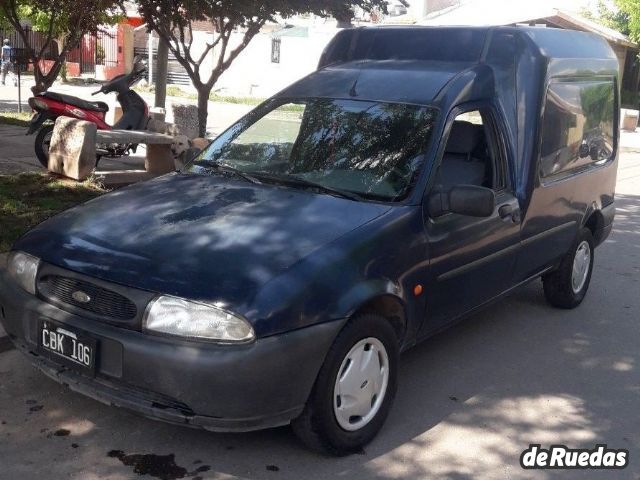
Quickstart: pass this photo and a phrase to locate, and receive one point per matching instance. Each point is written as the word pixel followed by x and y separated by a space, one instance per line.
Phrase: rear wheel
pixel 354 390
pixel 567 286
pixel 43 142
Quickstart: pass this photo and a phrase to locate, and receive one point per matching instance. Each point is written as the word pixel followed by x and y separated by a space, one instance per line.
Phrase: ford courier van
pixel 418 175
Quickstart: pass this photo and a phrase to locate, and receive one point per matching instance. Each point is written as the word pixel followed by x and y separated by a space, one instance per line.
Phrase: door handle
pixel 508 212
pixel 505 211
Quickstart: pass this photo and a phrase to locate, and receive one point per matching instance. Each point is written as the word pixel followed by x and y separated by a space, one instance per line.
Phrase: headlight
pixel 23 268
pixel 190 320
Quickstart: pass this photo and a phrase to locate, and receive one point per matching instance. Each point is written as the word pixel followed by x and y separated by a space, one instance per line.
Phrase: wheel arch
pixel 594 220
pixel 389 306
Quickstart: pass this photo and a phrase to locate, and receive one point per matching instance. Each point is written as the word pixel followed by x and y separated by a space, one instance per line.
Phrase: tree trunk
pixel 203 108
pixel 44 82
pixel 41 84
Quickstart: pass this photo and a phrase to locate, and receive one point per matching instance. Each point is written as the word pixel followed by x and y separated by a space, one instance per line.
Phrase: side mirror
pixel 584 151
pixel 466 200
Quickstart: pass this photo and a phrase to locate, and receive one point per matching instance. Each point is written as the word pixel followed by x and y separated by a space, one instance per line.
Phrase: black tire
pixel 317 426
pixel 43 140
pixel 558 285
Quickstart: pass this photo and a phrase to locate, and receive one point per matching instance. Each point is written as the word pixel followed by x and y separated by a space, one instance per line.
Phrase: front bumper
pixel 216 387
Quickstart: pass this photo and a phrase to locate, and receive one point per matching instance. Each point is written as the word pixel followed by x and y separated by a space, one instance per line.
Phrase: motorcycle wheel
pixel 43 141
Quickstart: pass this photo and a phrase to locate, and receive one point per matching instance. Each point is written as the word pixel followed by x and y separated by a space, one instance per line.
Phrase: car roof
pixel 417 64
pixel 405 81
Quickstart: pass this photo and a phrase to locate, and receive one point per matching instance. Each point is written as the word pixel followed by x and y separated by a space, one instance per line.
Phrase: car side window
pixel 578 125
pixel 472 155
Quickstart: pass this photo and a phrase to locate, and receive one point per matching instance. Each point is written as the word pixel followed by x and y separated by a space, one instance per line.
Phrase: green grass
pixel 237 100
pixel 173 91
pixel 29 198
pixel 14 118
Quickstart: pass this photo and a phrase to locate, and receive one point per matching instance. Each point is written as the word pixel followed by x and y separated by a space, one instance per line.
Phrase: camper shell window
pixel 578 125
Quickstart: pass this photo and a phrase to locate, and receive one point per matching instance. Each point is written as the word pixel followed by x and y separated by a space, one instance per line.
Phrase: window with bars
pixel 276 44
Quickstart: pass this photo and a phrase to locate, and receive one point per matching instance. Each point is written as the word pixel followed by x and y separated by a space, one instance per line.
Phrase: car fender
pixel 598 219
pixel 364 292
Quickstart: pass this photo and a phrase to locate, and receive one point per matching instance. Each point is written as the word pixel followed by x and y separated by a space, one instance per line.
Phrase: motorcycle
pixel 48 106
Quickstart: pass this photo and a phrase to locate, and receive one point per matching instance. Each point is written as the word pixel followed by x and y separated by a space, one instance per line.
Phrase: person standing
pixel 7 60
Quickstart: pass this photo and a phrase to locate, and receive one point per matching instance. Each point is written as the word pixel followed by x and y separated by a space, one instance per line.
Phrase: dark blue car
pixel 416 176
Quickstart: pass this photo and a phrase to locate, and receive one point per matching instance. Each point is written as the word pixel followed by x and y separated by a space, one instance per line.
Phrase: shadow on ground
pixel 470 400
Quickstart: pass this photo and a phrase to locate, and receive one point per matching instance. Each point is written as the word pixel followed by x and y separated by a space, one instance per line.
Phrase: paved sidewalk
pixel 17 154
pixel 17 149
pixel 630 141
pixel 470 400
pixel 221 115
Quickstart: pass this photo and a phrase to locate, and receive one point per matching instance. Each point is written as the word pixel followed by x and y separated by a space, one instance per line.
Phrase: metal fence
pixel 20 51
pixel 100 49
pixel 176 74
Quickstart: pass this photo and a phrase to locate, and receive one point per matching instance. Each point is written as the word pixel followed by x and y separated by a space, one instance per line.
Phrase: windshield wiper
pixel 301 182
pixel 220 167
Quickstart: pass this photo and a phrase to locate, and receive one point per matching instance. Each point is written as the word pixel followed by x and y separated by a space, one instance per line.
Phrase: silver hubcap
pixel 581 264
pixel 361 384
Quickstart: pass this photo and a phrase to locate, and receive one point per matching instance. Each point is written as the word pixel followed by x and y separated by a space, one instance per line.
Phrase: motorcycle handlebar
pixel 123 82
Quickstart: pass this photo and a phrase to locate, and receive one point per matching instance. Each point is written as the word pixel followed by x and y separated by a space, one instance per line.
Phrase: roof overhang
pixel 513 13
pixel 581 23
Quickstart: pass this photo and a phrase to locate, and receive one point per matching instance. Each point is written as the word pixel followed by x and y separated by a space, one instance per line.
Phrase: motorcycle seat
pixel 77 102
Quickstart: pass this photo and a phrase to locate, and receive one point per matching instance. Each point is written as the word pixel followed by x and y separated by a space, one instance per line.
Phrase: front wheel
pixel 354 390
pixel 567 286
pixel 43 142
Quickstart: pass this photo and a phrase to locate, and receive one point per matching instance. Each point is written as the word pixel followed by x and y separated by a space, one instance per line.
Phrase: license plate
pixel 68 346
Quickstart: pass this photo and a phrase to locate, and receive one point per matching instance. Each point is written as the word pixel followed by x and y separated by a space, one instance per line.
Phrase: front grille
pixel 103 302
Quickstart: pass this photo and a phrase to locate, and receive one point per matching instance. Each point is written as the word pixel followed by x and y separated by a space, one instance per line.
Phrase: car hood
pixel 196 236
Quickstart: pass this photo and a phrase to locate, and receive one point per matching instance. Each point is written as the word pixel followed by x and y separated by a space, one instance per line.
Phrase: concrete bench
pixel 72 151
pixel 159 159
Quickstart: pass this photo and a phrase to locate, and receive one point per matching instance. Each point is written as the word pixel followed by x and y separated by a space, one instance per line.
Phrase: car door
pixel 472 259
pixel 578 113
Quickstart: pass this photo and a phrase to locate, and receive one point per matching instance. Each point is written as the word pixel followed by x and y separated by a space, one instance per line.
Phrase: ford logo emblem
pixel 81 297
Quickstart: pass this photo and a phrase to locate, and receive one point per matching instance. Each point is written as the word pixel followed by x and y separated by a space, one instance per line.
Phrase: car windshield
pixel 360 149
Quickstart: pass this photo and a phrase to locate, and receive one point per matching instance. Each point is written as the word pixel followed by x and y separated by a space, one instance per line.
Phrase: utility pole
pixel 150 57
pixel 161 81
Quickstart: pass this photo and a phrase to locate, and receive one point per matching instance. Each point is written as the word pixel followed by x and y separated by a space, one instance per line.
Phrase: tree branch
pixel 46 44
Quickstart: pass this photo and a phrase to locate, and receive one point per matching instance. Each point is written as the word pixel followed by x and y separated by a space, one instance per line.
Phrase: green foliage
pixel 631 8
pixel 610 16
pixel 173 21
pixel 66 20
pixel 630 99
pixel 597 101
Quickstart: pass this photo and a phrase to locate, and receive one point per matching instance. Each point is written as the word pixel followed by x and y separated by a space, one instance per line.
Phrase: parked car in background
pixel 396 9
pixel 418 175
